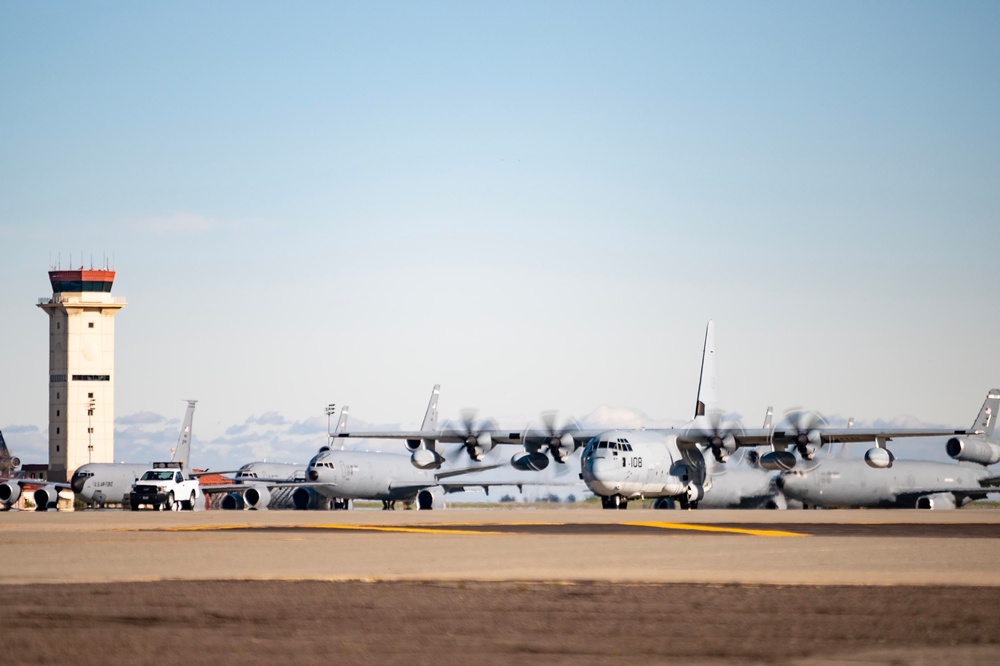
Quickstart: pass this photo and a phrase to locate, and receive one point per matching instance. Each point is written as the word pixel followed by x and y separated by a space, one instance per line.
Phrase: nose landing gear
pixel 614 502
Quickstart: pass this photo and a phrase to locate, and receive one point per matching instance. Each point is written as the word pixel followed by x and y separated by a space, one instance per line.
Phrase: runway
pixel 719 547
pixel 502 586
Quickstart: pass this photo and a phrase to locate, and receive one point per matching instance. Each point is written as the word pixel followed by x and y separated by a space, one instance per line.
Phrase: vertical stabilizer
pixel 987 420
pixel 769 418
pixel 431 416
pixel 182 453
pixel 342 421
pixel 708 398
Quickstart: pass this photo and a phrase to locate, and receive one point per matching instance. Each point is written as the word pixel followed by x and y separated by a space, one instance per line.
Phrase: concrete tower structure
pixel 81 369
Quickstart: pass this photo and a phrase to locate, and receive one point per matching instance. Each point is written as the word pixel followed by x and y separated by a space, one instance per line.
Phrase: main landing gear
pixel 614 502
pixel 388 505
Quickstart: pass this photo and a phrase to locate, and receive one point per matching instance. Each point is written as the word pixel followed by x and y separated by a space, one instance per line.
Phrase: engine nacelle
pixel 562 447
pixel 879 458
pixel 778 461
pixel 479 445
pixel 977 450
pixel 528 461
pixel 46 497
pixel 430 498
pixel 937 501
pixel 426 459
pixel 304 499
pixel 256 498
pixel 232 502
pixel 10 492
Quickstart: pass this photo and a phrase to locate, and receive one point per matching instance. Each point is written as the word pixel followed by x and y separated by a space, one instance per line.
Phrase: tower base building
pixel 81 369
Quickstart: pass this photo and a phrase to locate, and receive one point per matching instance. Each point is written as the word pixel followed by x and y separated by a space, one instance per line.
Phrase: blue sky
pixel 536 205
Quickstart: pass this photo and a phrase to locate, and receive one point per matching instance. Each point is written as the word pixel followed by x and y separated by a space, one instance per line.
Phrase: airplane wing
pixel 231 487
pixel 459 437
pixel 37 482
pixel 787 437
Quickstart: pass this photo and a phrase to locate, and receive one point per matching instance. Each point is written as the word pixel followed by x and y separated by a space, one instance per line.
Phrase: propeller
pixel 718 434
pixel 803 431
pixel 558 438
pixel 475 434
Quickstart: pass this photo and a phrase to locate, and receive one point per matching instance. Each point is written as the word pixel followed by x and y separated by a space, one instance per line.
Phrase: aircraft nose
pixel 77 483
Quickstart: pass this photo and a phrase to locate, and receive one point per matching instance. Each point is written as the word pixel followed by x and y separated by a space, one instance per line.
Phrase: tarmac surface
pixel 494 586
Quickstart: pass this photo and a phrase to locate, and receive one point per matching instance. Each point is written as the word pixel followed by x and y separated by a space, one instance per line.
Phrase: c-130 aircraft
pixel 624 464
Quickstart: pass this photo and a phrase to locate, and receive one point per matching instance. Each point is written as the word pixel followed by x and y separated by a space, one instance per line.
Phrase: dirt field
pixel 273 622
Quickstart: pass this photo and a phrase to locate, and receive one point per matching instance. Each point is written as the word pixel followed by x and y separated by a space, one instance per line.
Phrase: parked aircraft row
pixel 708 463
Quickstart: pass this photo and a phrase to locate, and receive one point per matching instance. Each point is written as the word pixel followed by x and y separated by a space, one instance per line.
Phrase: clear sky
pixel 537 205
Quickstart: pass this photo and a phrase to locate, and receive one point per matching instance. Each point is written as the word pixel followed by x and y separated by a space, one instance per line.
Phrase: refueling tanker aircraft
pixel 349 475
pixel 920 484
pixel 623 464
pixel 269 485
pixel 99 483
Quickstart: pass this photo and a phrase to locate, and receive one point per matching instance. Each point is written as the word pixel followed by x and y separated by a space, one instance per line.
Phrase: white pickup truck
pixel 165 487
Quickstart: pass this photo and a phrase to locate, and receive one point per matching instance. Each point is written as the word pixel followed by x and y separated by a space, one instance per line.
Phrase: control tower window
pixel 90 324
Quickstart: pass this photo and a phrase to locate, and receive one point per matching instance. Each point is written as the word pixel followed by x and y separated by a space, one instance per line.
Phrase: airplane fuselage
pixel 633 464
pixel 105 483
pixel 839 483
pixel 368 475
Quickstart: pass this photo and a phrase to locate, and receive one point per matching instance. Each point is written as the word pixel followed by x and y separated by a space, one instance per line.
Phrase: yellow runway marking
pixel 413 530
pixel 713 528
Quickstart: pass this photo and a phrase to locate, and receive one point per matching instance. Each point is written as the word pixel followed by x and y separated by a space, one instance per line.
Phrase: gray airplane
pixel 269 485
pixel 739 483
pixel 98 484
pixel 425 476
pixel 921 484
pixel 625 464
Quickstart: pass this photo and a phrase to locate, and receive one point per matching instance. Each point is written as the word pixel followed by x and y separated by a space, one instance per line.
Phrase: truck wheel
pixel 190 503
pixel 174 504
pixel 135 506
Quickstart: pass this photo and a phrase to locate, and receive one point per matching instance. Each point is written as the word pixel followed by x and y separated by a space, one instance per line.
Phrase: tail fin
pixel 4 451
pixel 342 421
pixel 182 453
pixel 769 419
pixel 987 419
pixel 431 416
pixel 707 396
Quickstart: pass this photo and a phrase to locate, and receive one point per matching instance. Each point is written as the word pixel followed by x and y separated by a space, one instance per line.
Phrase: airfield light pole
pixel 90 430
pixel 330 409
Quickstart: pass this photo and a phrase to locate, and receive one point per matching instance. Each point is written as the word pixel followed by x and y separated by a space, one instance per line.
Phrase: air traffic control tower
pixel 81 369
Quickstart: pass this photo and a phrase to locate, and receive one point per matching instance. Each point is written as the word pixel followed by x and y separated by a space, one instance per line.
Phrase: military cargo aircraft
pixel 619 465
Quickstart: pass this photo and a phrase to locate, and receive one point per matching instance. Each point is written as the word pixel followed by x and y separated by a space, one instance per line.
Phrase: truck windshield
pixel 154 475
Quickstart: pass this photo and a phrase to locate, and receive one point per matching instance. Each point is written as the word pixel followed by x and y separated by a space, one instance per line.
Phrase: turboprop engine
pixel 430 498
pixel 46 498
pixel 10 492
pixel 982 451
